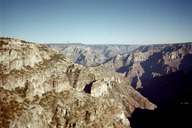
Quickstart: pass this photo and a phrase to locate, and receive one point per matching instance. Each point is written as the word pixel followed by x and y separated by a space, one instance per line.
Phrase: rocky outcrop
pixel 41 88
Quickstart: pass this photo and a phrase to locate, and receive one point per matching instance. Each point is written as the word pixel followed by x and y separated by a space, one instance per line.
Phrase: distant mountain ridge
pixel 92 55
pixel 133 61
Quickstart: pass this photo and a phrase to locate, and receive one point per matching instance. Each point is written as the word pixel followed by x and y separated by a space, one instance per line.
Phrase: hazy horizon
pixel 97 21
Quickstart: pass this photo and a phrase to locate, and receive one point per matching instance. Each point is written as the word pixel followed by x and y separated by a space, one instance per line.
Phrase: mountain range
pixel 89 86
pixel 137 63
pixel 160 72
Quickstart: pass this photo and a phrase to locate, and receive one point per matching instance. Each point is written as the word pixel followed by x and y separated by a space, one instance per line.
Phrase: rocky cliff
pixel 40 88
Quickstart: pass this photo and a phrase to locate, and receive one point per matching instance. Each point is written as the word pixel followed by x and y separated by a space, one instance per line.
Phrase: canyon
pixel 160 72
pixel 42 88
pixel 87 86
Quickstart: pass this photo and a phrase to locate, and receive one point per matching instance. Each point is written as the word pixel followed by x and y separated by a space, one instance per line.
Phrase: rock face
pixel 40 88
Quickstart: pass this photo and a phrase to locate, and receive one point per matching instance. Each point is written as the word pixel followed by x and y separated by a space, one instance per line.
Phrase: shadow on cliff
pixel 173 95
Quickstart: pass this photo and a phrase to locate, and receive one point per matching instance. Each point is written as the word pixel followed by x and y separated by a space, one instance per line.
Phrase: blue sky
pixel 97 21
